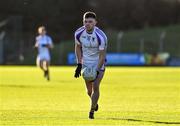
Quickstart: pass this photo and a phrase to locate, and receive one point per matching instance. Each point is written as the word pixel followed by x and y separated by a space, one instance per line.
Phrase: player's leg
pixel 88 88
pixel 43 67
pixel 43 62
pixel 46 69
pixel 39 63
pixel 95 95
pixel 96 91
pixel 88 84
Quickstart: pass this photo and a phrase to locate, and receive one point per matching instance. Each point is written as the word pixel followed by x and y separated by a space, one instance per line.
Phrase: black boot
pixel 91 115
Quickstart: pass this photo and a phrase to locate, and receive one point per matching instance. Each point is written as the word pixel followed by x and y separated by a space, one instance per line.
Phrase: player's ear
pixel 95 22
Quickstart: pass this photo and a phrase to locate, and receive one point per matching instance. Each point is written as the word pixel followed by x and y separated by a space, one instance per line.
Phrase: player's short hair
pixel 89 14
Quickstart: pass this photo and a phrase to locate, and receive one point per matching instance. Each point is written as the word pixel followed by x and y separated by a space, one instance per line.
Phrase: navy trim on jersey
pixel 79 35
pixel 79 29
pixel 98 39
pixel 102 34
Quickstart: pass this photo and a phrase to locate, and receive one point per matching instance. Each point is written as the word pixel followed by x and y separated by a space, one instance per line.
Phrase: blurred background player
pixel 43 45
pixel 90 50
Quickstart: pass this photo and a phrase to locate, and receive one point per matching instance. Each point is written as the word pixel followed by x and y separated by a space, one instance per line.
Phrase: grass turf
pixel 129 96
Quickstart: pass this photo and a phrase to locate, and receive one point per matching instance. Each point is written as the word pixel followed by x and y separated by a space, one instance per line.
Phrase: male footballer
pixel 43 44
pixel 90 50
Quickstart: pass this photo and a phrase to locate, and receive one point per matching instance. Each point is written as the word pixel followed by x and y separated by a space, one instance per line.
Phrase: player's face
pixel 89 23
pixel 42 31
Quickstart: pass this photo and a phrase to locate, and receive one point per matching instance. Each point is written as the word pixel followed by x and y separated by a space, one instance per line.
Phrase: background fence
pixel 137 26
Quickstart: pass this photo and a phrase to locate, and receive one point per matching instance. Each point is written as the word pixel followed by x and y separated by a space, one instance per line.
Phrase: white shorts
pixel 93 64
pixel 42 57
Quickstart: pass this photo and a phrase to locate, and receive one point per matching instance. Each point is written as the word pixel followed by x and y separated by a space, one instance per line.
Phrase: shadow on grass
pixel 140 120
pixel 26 86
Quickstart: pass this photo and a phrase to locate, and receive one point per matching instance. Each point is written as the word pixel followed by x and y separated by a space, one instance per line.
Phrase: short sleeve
pixel 76 40
pixel 37 40
pixel 103 44
pixel 102 39
pixel 77 35
pixel 50 40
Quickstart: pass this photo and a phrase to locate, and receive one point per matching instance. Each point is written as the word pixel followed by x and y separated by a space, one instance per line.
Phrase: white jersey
pixel 91 44
pixel 43 52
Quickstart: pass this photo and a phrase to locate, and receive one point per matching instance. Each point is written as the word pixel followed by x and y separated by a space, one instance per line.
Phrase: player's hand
pixel 44 45
pixel 97 73
pixel 78 70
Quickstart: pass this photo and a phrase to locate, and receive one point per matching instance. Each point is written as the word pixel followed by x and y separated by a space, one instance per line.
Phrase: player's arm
pixel 102 56
pixel 102 53
pixel 36 45
pixel 78 53
pixel 49 46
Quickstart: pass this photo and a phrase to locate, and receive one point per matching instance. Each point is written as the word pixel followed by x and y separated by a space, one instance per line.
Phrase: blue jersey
pixel 43 52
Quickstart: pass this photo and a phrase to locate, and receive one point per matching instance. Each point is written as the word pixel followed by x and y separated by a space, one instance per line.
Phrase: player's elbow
pixel 51 46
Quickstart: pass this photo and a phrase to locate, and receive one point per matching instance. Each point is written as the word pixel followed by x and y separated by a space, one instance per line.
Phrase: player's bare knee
pixel 89 92
pixel 41 65
pixel 45 67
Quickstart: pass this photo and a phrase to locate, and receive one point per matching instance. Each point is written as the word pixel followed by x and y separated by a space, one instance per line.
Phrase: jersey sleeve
pixel 77 35
pixel 102 39
pixel 103 44
pixel 76 40
pixel 50 41
pixel 36 41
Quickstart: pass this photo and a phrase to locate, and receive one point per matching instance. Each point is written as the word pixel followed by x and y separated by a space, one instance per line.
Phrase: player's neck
pixel 90 31
pixel 42 34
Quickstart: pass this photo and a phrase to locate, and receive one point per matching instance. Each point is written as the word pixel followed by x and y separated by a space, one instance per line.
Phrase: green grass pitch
pixel 129 96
